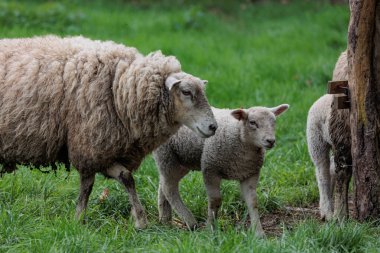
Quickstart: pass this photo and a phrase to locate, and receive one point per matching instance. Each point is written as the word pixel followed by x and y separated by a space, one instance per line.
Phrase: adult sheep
pixel 328 130
pixel 98 105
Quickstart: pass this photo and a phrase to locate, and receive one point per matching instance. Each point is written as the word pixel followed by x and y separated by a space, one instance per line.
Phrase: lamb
pixel 328 131
pixel 99 106
pixel 235 152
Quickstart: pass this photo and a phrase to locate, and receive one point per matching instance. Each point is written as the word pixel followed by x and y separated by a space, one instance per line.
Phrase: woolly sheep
pixel 235 152
pixel 98 105
pixel 328 131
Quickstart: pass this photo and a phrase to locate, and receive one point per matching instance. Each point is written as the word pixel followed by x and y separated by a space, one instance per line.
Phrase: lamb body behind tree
pixel 235 152
pixel 329 143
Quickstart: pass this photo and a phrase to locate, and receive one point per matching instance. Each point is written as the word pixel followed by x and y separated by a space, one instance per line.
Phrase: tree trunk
pixel 364 83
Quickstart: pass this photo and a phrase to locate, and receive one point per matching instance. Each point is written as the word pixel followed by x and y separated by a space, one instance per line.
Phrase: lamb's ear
pixel 279 109
pixel 205 82
pixel 170 82
pixel 239 114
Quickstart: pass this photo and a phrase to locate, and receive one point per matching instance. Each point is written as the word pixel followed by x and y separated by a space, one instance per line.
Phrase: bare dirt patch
pixel 274 223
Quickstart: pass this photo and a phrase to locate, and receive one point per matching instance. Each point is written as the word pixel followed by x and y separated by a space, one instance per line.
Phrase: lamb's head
pixel 191 106
pixel 258 124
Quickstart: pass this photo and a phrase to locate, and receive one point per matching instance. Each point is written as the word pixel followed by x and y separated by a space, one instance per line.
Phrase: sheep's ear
pixel 279 109
pixel 205 82
pixel 239 114
pixel 170 82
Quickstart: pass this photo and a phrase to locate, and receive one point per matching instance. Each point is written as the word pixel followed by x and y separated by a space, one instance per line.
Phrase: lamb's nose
pixel 213 127
pixel 271 142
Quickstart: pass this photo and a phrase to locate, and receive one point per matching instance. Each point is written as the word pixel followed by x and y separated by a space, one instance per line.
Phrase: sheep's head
pixel 191 106
pixel 259 124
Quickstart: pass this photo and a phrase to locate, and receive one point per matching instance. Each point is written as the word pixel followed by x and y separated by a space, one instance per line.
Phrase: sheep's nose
pixel 271 142
pixel 212 127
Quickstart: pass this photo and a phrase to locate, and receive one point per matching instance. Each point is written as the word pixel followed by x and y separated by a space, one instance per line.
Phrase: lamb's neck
pixel 249 146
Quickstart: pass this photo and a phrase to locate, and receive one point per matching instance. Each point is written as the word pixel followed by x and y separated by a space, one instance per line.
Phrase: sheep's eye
pixel 253 123
pixel 186 93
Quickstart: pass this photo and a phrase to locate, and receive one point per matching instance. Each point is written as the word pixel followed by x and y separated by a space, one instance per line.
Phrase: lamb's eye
pixel 186 93
pixel 253 123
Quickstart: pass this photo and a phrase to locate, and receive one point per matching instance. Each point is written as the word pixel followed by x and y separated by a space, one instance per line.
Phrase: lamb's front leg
pixel 248 189
pixel 212 183
pixel 124 176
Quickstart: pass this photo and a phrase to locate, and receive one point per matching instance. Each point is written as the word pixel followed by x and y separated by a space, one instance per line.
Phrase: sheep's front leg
pixel 125 177
pixel 86 183
pixel 248 189
pixel 212 183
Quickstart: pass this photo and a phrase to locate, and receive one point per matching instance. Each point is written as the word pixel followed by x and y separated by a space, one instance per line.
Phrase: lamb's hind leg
pixel 164 208
pixel 212 183
pixel 343 172
pixel 124 176
pixel 170 191
pixel 86 183
pixel 319 151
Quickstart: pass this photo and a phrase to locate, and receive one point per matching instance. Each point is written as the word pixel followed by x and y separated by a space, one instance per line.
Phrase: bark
pixel 364 83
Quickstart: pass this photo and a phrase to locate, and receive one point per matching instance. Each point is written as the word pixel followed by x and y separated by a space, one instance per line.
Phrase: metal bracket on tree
pixel 341 92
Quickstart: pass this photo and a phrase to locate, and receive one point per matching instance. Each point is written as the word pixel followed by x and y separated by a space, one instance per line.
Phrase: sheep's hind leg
pixel 125 177
pixel 248 188
pixel 86 184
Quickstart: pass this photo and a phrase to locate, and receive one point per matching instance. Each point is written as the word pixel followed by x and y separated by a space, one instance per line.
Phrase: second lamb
pixel 236 152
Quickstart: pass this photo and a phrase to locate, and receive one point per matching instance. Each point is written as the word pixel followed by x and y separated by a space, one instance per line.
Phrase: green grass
pixel 261 54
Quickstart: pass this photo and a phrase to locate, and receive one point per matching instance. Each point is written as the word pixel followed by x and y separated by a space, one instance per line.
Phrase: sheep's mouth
pixel 268 146
pixel 203 134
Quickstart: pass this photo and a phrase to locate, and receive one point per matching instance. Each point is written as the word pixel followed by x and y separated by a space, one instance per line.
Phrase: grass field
pixel 261 54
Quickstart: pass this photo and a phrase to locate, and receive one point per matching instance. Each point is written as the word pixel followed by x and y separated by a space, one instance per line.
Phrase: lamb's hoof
pixel 165 219
pixel 141 223
pixel 340 216
pixel 192 226
pixel 260 234
pixel 326 216
pixel 191 223
pixel 212 225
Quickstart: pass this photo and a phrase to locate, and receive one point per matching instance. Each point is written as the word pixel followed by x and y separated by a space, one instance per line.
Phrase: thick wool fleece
pixel 88 102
